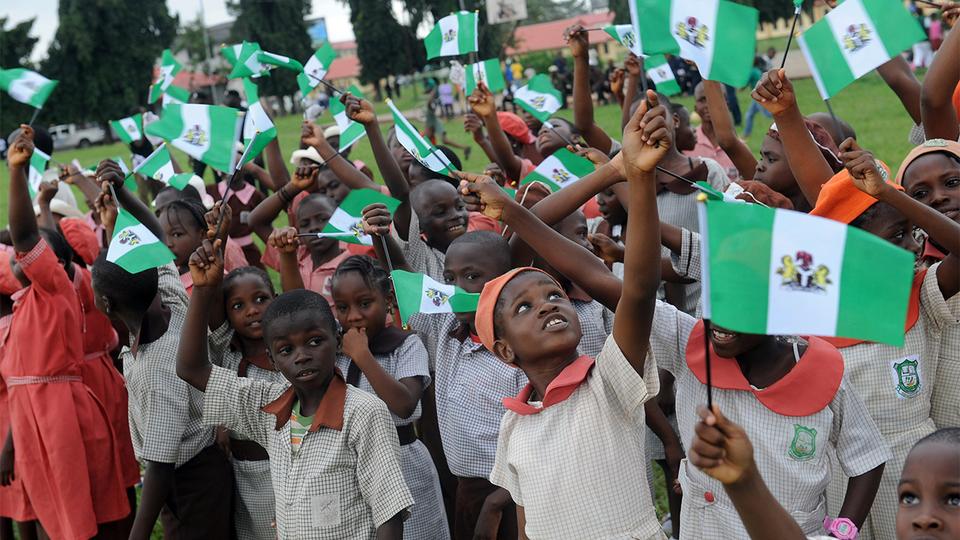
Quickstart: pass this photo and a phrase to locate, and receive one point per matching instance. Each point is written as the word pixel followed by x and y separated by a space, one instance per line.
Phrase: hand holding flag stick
pixel 226 192
pixel 798 5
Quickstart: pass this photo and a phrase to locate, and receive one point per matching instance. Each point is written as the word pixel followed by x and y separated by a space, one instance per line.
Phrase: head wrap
pixel 514 126
pixel 486 306
pixel 928 147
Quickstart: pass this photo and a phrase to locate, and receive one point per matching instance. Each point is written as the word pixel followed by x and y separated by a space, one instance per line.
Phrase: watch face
pixel 843 528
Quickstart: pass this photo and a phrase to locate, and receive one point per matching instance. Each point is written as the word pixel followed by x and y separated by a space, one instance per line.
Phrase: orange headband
pixel 841 200
pixel 929 147
pixel 486 306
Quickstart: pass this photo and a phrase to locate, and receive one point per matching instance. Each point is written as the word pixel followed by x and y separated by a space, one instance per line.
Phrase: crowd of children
pixel 320 412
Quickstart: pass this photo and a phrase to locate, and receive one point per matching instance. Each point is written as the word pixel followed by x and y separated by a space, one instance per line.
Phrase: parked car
pixel 77 135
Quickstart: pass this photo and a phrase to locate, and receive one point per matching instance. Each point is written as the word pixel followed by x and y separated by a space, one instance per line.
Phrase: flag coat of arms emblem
pixel 205 132
pixel 345 223
pixel 419 293
pixel 803 447
pixel 906 377
pixel 539 97
pixel 560 169
pixel 129 129
pixel 626 35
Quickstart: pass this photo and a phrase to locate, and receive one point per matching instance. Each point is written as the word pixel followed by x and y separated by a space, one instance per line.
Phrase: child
pixel 65 451
pixel 184 227
pixel 332 448
pixel 244 197
pixel 186 477
pixel 392 364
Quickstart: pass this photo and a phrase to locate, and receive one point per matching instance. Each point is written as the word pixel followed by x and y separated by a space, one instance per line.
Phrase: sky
pixel 45 11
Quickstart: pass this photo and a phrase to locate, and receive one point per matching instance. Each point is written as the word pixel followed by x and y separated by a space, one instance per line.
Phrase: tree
pixel 16 46
pixel 384 46
pixel 190 39
pixel 279 27
pixel 773 10
pixel 621 8
pixel 103 55
pixel 553 10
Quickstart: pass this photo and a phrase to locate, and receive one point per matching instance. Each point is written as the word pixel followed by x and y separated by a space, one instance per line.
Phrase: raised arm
pixel 311 135
pixel 899 77
pixel 206 269
pixel 286 242
pixel 724 131
pixel 109 171
pixel 376 223
pixel 483 105
pixel 473 125
pixel 47 191
pixel 71 175
pixel 277 168
pixel 634 68
pixel 20 219
pixel 262 216
pixel 562 203
pixel 579 42
pixel 939 116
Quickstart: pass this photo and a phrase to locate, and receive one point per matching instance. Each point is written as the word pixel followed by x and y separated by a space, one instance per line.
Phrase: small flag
pixel 719 36
pixel 418 293
pixel 345 224
pixel 780 272
pixel 660 72
pixel 454 34
pixel 248 62
pixel 539 97
pixel 488 72
pixel 316 68
pixel 560 170
pixel 38 164
pixel 27 86
pixel 169 67
pixel 258 131
pixel 350 131
pixel 273 59
pixel 250 90
pixel 856 38
pixel 204 132
pixel 175 95
pixel 626 35
pixel 159 167
pixel 420 148
pixel 133 247
pixel 231 53
pixel 129 129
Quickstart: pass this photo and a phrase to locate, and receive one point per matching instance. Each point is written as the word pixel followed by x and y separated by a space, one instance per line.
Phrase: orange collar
pixel 560 388
pixel 913 313
pixel 329 413
pixel 816 376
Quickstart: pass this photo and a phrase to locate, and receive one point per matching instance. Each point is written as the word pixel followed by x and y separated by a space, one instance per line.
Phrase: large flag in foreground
pixel 169 67
pixel 454 34
pixel 27 86
pixel 418 293
pixel 718 35
pixel 204 132
pixel 133 247
pixel 560 169
pixel 345 223
pixel 428 155
pixel 775 272
pixel 856 38
pixel 539 97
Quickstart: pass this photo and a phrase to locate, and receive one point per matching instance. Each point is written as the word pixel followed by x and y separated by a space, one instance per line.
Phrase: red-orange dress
pixel 99 373
pixel 13 499
pixel 65 448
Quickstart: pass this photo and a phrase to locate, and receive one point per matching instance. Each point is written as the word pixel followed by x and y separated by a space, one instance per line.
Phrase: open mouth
pixel 253 324
pixel 555 323
pixel 721 337
pixel 307 374
pixel 457 228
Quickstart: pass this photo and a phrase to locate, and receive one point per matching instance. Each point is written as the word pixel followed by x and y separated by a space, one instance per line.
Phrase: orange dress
pixel 98 373
pixel 13 499
pixel 65 448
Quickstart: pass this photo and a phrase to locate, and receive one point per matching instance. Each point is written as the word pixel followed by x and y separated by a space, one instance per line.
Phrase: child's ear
pixel 504 352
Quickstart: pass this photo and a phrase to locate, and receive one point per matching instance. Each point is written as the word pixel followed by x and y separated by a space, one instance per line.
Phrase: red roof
pixel 549 35
pixel 194 80
pixel 344 67
pixel 343 45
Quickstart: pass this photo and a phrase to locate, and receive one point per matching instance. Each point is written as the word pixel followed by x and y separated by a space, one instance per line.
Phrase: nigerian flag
pixel 660 72
pixel 250 90
pixel 854 39
pixel 159 167
pixel 539 97
pixel 174 95
pixel 718 35
pixel 419 293
pixel 133 247
pixel 247 61
pixel 345 223
pixel 350 131
pixel 488 72
pixel 129 129
pixel 626 35
pixel 420 148
pixel 316 68
pixel 258 131
pixel 454 34
pixel 279 60
pixel 26 86
pixel 561 169
pixel 169 67
pixel 775 272
pixel 204 132
pixel 38 164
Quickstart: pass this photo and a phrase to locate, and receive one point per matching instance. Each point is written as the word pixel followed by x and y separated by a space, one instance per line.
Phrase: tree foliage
pixel 384 46
pixel 16 46
pixel 553 10
pixel 190 40
pixel 773 10
pixel 103 55
pixel 279 26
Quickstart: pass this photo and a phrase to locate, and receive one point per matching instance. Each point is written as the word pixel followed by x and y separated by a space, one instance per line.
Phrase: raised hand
pixel 213 216
pixel 285 240
pixel 604 246
pixel 721 448
pixel 616 82
pixel 473 124
pixel 106 207
pixel 482 102
pixel 376 220
pixel 109 171
pixel 22 148
pixel 863 168
pixel 632 64
pixel 305 178
pixel 356 345
pixel 358 110
pixel 48 190
pixel 577 39
pixel 950 12
pixel 206 264
pixel 482 194
pixel 311 134
pixel 775 92
pixel 646 138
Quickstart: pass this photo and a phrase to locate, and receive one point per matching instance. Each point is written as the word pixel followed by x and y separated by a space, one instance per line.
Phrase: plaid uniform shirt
pixel 421 257
pixel 798 481
pixel 596 324
pixel 565 464
pixel 946 398
pixel 470 386
pixel 165 412
pixel 342 484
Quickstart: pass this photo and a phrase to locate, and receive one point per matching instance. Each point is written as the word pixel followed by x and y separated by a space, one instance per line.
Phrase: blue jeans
pixel 751 112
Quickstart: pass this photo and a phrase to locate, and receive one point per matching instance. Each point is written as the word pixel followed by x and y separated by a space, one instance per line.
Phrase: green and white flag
pixel 454 34
pixel 169 67
pixel 231 53
pixel 419 293
pixel 248 63
pixel 279 60
pixel 428 155
pixel 250 91
pixel 345 223
pixel 626 35
pixel 539 97
pixel 488 72
pixel 129 129
pixel 38 164
pixel 718 35
pixel 660 72
pixel 159 167
pixel 560 170
pixel 133 247
pixel 204 132
pixel 350 131
pixel 856 38
pixel 780 272
pixel 27 86
pixel 258 131
pixel 175 96
pixel 122 164
pixel 316 68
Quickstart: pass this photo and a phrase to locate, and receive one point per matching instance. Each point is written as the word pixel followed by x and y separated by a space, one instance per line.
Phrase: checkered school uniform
pixel 945 402
pixel 596 324
pixel 421 257
pixel 342 484
pixel 900 404
pixel 687 262
pixel 791 452
pixel 427 519
pixel 470 384
pixel 165 412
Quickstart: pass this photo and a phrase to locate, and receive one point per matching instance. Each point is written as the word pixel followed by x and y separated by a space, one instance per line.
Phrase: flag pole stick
pixel 36 112
pixel 113 193
pixel 706 348
pixel 643 77
pixel 793 28
pixel 836 123
pixel 226 192
pixel 386 256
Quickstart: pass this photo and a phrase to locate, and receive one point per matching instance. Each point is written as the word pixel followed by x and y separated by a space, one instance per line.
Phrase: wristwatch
pixel 840 528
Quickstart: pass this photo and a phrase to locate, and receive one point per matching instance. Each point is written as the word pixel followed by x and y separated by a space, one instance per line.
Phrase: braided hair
pixel 372 274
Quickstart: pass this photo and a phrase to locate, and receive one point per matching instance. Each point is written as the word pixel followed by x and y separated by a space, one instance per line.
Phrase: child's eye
pixel 236 306
pixel 262 299
pixel 920 194
pixel 472 276
pixel 555 296
pixel 953 499
pixel 284 350
pixel 953 182
pixel 315 342
pixel 365 304
pixel 909 499
pixel 448 279
pixel 523 307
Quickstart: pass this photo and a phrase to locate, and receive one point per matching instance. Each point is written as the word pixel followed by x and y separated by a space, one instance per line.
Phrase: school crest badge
pixel 802 275
pixel 693 32
pixel 538 102
pixel 128 238
pixel 803 447
pixel 560 176
pixel 438 298
pixel 906 377
pixel 196 136
pixel 857 37
pixel 449 35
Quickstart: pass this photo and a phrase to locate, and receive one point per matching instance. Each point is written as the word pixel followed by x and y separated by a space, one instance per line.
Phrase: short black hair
pixel 41 139
pixel 867 216
pixel 188 192
pixel 61 248
pixel 316 197
pixel 131 292
pixel 454 160
pixel 573 129
pixel 295 302
pixel 237 273
pixel 491 245
pixel 950 435
pixel 416 194
pixel 193 208
pixel 373 275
